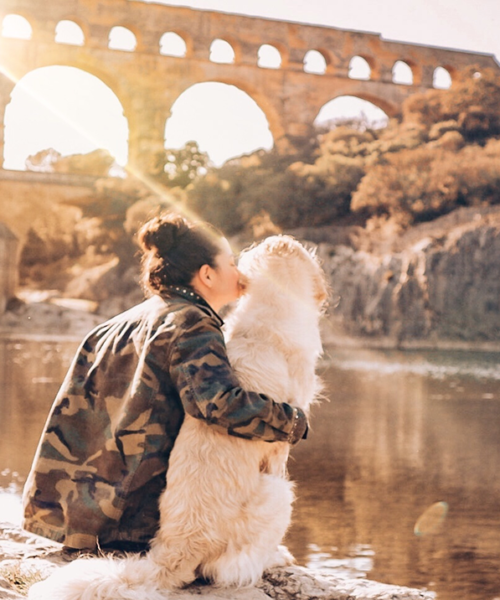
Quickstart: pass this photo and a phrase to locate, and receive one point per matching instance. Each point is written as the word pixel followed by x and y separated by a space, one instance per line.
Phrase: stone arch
pixel 390 109
pixel 92 65
pixel 68 29
pixel 269 113
pixel 270 105
pixel 129 41
pixel 315 62
pixel 17 21
pixel 360 68
pixel 348 104
pixel 82 24
pixel 67 85
pixel 277 54
pixel 442 78
pixel 179 46
pixel 223 51
pixel 403 73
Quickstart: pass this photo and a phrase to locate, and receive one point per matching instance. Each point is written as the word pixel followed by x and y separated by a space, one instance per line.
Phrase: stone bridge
pixel 148 82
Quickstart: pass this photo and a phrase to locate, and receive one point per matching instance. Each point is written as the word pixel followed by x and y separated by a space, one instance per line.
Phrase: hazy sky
pixel 465 24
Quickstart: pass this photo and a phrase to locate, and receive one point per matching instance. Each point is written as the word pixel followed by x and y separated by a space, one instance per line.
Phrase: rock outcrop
pixel 47 315
pixel 441 287
pixel 25 559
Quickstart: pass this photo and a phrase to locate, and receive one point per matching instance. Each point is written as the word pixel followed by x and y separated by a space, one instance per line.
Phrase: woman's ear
pixel 205 275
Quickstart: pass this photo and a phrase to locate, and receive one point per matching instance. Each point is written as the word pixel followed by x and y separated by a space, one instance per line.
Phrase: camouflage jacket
pixel 102 460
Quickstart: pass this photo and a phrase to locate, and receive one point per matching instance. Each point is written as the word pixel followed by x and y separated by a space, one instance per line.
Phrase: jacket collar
pixel 189 294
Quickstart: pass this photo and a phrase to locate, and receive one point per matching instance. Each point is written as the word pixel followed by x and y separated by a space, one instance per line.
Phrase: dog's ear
pixel 282 245
pixel 321 290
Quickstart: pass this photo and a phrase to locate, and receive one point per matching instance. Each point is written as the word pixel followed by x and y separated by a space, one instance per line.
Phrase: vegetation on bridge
pixel 443 154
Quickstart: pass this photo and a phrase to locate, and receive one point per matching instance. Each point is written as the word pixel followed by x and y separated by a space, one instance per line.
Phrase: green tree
pixel 181 167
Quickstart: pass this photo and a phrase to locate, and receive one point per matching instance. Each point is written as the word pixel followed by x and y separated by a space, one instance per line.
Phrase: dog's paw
pixel 282 557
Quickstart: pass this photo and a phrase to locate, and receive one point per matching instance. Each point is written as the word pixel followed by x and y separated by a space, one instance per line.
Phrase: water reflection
pixel 30 375
pixel 400 433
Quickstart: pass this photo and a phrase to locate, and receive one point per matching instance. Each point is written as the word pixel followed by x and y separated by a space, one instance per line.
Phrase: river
pixel 398 480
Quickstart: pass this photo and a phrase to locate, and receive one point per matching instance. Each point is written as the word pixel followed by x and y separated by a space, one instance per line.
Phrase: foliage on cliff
pixel 420 185
pixel 440 156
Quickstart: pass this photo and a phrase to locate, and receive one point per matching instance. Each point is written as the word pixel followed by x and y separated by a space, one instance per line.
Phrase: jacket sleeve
pixel 209 390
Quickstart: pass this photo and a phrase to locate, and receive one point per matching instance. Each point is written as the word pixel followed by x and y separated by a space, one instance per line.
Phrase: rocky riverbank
pixel 25 559
pixel 437 286
pixel 46 315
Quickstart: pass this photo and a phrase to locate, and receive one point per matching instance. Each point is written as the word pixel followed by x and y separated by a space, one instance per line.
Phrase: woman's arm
pixel 209 390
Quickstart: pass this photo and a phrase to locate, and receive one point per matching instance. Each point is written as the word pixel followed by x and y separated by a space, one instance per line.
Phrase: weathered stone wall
pixel 43 199
pixel 8 266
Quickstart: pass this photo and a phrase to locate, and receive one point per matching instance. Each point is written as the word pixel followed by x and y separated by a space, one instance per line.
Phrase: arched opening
pixel 121 38
pixel 315 62
pixel 353 112
pixel 15 26
pixel 223 120
pixel 68 32
pixel 171 44
pixel 66 109
pixel 402 73
pixel 441 80
pixel 268 57
pixel 359 68
pixel 221 52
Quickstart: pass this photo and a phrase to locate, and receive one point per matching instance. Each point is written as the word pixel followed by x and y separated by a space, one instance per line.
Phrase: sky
pixel 66 110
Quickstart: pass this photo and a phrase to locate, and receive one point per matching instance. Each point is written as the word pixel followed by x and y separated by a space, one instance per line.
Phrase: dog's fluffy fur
pixel 228 501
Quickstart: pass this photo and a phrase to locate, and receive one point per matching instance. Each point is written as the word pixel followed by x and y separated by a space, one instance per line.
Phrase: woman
pixel 102 460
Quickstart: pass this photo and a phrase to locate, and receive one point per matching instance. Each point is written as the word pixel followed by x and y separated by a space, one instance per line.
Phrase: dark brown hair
pixel 174 249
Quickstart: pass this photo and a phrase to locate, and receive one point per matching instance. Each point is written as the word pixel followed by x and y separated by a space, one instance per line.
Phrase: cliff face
pixel 439 285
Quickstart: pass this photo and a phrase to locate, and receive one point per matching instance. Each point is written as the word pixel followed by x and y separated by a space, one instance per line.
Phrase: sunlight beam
pixel 133 171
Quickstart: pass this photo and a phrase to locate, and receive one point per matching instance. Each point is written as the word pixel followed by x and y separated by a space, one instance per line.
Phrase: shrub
pixel 422 184
pixel 472 102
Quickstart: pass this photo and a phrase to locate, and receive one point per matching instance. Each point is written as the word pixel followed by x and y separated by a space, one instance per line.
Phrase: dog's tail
pixel 130 578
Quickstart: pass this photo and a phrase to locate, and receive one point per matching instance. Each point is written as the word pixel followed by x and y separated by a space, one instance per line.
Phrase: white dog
pixel 228 502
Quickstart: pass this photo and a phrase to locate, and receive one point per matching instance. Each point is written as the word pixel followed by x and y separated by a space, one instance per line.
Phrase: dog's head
pixel 285 266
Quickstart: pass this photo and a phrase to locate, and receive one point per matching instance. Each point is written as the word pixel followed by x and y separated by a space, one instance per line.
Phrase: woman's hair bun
pixel 174 249
pixel 162 233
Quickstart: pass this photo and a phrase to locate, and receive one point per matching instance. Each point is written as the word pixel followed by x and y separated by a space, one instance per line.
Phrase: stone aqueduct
pixel 147 83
